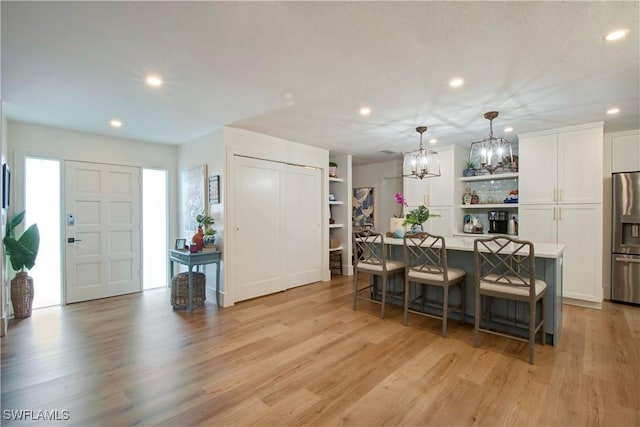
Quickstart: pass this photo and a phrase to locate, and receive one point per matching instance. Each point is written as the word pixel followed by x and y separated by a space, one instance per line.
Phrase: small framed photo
pixel 6 185
pixel 181 244
pixel 214 189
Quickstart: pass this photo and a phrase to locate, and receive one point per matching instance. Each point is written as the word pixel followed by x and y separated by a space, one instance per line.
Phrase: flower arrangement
pixel 400 200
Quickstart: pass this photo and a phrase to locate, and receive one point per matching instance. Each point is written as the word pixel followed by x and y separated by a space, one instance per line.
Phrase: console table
pixel 196 260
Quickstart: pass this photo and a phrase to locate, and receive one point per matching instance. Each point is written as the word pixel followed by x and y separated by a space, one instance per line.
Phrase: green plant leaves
pixel 418 215
pixel 22 253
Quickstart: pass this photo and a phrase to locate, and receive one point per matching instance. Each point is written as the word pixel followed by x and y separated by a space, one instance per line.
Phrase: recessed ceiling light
pixel 616 35
pixel 291 102
pixel 365 111
pixel 614 110
pixel 115 123
pixel 457 82
pixel 288 95
pixel 509 129
pixel 433 141
pixel 153 80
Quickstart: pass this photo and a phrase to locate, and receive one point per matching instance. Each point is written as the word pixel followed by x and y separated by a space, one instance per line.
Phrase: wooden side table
pixel 196 260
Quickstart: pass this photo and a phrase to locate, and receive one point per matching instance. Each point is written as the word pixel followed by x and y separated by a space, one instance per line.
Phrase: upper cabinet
pixel 625 151
pixel 440 190
pixel 562 166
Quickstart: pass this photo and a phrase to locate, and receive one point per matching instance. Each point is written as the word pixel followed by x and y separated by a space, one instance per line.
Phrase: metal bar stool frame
pixel 425 257
pixel 505 268
pixel 370 256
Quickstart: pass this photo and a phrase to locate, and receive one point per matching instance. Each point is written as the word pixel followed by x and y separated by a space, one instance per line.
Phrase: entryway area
pixel 103 229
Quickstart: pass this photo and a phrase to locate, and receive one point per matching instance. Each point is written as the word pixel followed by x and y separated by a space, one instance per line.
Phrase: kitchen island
pixel 508 316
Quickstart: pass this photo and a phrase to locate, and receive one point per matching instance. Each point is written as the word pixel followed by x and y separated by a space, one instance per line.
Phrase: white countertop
pixel 542 250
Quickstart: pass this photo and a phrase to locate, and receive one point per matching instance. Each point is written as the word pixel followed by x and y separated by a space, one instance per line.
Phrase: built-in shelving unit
pixel 490 188
pixel 341 212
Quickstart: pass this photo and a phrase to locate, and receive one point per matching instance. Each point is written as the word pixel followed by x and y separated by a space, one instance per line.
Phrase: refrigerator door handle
pixel 633 260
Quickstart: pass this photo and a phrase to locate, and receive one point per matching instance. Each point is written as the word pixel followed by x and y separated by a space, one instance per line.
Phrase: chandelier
pixel 492 153
pixel 421 163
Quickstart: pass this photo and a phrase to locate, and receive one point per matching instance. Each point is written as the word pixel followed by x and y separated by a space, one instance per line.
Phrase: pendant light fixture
pixel 492 154
pixel 421 163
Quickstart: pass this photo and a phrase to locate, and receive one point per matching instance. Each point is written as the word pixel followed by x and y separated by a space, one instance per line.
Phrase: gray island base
pixel 506 316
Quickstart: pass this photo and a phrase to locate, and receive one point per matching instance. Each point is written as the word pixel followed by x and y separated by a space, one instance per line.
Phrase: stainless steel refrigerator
pixel 625 250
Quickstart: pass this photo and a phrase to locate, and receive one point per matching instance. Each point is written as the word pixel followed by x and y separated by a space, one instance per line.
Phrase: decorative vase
pixel 333 171
pixel 198 238
pixel 22 295
pixel 395 224
pixel 416 228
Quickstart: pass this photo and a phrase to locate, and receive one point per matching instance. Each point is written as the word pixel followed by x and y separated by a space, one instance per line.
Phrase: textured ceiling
pixel 541 64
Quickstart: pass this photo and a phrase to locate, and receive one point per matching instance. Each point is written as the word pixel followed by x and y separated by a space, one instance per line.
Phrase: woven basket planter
pixel 180 289
pixel 22 295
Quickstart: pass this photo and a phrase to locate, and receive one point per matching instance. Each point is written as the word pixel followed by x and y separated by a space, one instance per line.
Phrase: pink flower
pixel 401 201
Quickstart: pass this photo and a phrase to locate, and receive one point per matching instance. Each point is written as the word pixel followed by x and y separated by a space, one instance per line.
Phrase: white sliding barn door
pixel 303 213
pixel 258 197
pixel 276 226
pixel 102 230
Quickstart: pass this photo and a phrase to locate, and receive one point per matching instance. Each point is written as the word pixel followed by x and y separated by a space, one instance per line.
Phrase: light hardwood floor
pixel 304 357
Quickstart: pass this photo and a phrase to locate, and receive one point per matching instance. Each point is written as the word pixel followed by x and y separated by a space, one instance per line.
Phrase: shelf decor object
pixel 492 154
pixel 421 163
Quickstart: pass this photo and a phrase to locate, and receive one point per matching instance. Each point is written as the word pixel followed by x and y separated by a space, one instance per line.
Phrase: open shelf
pixel 490 206
pixel 336 202
pixel 335 179
pixel 336 225
pixel 339 248
pixel 497 176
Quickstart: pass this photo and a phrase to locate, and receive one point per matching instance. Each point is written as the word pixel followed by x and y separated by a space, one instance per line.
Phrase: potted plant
pixel 469 169
pixel 22 255
pixel 418 216
pixel 333 169
pixel 204 222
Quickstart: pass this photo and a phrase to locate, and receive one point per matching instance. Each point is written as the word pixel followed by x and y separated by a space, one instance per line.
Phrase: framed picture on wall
pixel 195 196
pixel 363 207
pixel 6 185
pixel 214 189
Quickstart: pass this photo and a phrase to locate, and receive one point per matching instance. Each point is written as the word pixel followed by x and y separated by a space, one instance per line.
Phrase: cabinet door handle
pixel 554 213
pixel 560 213
pixel 555 193
pixel 561 195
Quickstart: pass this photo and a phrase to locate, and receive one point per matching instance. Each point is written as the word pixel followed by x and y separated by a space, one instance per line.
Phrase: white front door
pixel 102 230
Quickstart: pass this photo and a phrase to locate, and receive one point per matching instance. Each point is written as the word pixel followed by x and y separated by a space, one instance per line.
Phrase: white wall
pixel 207 149
pixel 386 180
pixel 265 147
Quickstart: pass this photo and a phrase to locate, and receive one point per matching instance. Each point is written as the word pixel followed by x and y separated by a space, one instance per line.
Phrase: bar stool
pixel 370 257
pixel 425 257
pixel 505 268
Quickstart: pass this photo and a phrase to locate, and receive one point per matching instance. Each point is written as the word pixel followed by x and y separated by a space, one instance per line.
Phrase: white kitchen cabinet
pixel 439 194
pixel 561 182
pixel 442 225
pixel 625 151
pixel 538 223
pixel 578 226
pixel 538 160
pixel 440 190
pixel 562 166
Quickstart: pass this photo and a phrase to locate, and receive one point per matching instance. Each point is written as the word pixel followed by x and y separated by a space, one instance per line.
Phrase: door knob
pixel 73 240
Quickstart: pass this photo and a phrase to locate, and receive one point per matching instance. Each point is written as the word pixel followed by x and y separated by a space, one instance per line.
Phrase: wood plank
pixel 304 357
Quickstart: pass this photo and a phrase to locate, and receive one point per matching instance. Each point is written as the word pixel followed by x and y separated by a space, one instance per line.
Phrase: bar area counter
pixel 505 315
